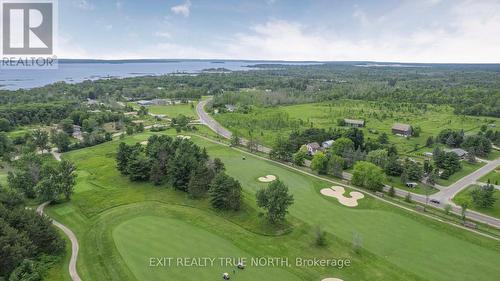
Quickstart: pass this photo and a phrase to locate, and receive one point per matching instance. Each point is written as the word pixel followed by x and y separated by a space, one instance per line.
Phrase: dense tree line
pixel 183 165
pixel 34 113
pixel 36 177
pixel 28 241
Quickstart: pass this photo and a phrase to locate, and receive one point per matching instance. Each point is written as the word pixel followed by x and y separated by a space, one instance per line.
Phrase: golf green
pixel 181 251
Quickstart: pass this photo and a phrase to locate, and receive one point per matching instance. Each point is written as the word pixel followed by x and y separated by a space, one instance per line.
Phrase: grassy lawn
pixel 493 176
pixel 465 194
pixel 268 123
pixel 121 224
pixel 420 189
pixel 494 154
pixel 467 168
pixel 171 111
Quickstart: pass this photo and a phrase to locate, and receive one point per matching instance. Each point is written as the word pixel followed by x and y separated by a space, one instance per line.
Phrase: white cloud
pixel 67 48
pixel 182 9
pixel 361 16
pixel 84 5
pixel 119 5
pixel 162 34
pixel 108 27
pixel 468 32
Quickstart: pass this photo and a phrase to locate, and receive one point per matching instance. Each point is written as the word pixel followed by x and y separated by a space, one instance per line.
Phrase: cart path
pixel 74 244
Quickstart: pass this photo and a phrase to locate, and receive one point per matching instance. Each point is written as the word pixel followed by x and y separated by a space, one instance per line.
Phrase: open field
pixel 267 123
pixel 465 194
pixel 171 111
pixel 493 176
pixel 121 224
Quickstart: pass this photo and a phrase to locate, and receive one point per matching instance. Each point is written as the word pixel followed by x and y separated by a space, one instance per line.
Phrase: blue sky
pixel 382 30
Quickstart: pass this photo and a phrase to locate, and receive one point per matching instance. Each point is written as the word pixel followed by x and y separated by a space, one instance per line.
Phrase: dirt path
pixel 74 244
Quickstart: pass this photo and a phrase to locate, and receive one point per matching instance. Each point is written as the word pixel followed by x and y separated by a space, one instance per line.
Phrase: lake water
pixel 74 72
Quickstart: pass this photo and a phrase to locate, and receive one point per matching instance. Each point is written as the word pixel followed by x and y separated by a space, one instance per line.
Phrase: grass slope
pixel 171 111
pixel 466 194
pixel 397 245
pixel 493 176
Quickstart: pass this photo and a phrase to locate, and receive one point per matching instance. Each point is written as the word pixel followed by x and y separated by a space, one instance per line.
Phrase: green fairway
pixel 465 194
pixel 396 244
pixel 268 123
pixel 493 176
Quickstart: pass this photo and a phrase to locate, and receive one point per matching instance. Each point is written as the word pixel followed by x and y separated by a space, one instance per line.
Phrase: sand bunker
pixel 332 279
pixel 338 192
pixel 144 143
pixel 268 178
pixel 183 137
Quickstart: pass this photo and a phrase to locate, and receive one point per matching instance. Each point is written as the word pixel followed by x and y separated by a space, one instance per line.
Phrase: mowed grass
pixel 183 241
pixel 493 176
pixel 379 118
pixel 467 168
pixel 172 111
pixel 396 244
pixel 466 194
pixel 421 188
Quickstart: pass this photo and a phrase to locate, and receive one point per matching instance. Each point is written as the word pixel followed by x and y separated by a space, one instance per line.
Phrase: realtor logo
pixel 29 32
pixel 27 28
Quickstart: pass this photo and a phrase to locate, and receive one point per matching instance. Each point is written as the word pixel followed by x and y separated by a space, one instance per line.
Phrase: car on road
pixel 435 201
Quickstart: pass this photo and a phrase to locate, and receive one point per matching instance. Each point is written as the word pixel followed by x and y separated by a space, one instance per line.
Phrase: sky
pixel 426 31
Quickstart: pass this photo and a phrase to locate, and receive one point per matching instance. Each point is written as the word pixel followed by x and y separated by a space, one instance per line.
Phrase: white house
pixel 313 147
pixel 327 144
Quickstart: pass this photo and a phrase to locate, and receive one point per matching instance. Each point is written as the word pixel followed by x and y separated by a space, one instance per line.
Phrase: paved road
pixel 443 193
pixel 74 244
pixel 447 194
pixel 206 119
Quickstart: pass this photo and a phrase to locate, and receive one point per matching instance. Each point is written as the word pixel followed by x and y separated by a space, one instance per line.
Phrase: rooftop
pixel 401 127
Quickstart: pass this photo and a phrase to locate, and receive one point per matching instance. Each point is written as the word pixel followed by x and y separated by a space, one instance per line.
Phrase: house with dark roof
pixel 459 152
pixel 401 129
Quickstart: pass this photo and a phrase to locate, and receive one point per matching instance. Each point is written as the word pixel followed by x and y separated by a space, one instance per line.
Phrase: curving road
pixel 444 196
pixel 74 244
pixel 207 120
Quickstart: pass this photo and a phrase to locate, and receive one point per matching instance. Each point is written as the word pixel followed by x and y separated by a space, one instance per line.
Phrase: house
pixel 159 116
pixel 145 102
pixel 354 123
pixel 403 130
pixel 230 107
pixel 313 147
pixel 327 144
pixel 77 132
pixel 92 102
pixel 459 152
